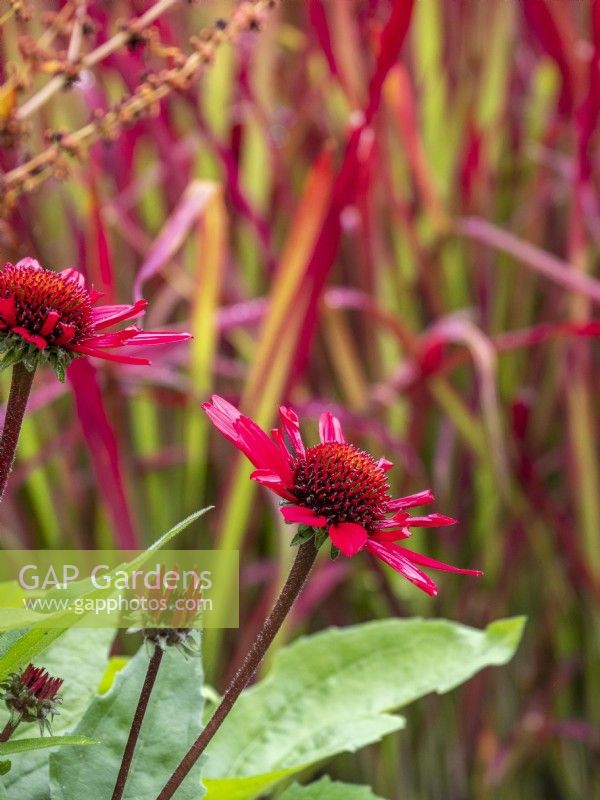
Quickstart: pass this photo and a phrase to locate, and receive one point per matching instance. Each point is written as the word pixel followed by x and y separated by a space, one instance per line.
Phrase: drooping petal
pixel 330 428
pixel 389 553
pixel 291 425
pixel 119 359
pixel 348 537
pixel 411 500
pixel 271 480
pixel 303 516
pixel 425 561
pixel 104 316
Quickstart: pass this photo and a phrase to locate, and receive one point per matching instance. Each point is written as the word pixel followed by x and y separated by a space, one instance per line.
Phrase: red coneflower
pixel 31 696
pixel 334 489
pixel 48 317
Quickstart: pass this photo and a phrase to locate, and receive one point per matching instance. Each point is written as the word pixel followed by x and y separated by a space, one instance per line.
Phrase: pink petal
pixel 119 359
pixel 261 450
pixel 52 318
pixel 223 415
pixel 348 537
pixel 161 337
pixel 38 341
pixel 411 500
pixel 389 553
pixel 330 428
pixel 104 316
pixel 72 274
pixel 8 310
pixel 385 534
pixel 278 437
pixel 425 561
pixel 28 263
pixel 291 425
pixel 68 332
pixel 384 464
pixel 271 480
pixel 303 516
pixel 248 437
pixel 430 521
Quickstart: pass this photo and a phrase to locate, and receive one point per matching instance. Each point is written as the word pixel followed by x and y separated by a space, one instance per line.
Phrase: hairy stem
pixel 8 731
pixel 20 387
pixel 136 725
pixel 305 558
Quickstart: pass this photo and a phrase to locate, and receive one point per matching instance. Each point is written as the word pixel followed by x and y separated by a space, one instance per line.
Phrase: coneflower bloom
pixel 49 317
pixel 31 696
pixel 335 489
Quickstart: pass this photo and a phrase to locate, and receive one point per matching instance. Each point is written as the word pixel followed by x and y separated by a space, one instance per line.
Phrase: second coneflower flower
pixel 334 489
pixel 49 317
pixel 31 696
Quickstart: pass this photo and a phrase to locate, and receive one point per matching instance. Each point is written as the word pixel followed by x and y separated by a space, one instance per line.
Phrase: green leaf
pixel 84 588
pixel 326 789
pixel 25 647
pixel 245 788
pixel 304 534
pixel 5 767
pixel 41 743
pixel 114 666
pixel 171 724
pixel 332 692
pixel 79 657
pixel 3 793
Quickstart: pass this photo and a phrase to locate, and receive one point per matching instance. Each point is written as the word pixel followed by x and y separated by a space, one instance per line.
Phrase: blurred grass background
pixel 383 208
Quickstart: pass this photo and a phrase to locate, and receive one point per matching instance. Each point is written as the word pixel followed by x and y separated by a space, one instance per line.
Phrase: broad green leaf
pixel 41 743
pixel 115 665
pixel 171 724
pixel 244 788
pixel 79 657
pixel 332 692
pixel 326 789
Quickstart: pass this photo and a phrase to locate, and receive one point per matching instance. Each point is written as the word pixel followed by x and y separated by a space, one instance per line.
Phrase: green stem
pixel 305 558
pixel 20 388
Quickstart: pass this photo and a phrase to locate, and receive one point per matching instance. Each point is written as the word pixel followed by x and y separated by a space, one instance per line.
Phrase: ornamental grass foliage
pixel 326 255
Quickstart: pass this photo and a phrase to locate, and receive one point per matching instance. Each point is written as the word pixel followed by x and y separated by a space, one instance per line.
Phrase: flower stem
pixel 138 719
pixel 20 387
pixel 305 558
pixel 8 731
